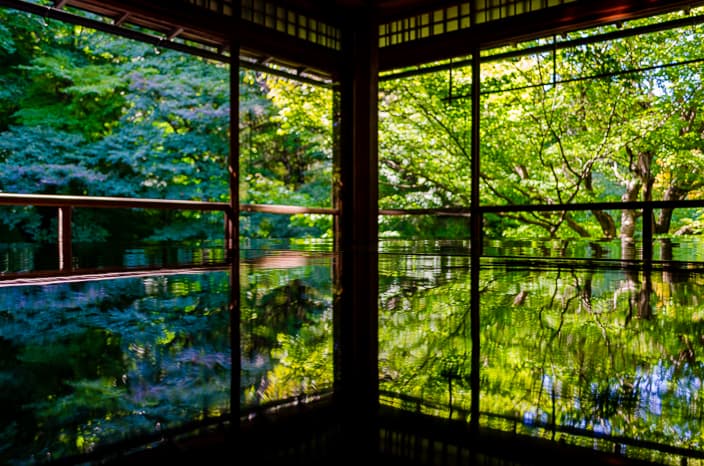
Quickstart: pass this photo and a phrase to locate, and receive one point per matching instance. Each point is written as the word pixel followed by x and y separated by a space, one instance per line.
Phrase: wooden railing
pixel 66 205
pixel 646 208
pixel 286 209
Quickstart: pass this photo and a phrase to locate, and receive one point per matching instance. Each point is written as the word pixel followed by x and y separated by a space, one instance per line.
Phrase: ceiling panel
pixel 305 36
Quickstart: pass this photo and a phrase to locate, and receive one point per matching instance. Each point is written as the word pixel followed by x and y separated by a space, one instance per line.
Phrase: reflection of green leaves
pixel 303 362
pixel 101 395
pixel 287 332
pixel 111 359
pixel 580 349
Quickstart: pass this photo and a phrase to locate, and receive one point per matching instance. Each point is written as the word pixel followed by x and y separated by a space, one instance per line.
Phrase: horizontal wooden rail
pixel 42 278
pixel 446 211
pixel 50 200
pixel 647 208
pixel 65 205
pixel 633 205
pixel 286 209
pixel 47 200
pixel 618 205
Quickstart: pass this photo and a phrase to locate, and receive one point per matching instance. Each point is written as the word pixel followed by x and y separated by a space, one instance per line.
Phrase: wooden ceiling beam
pixel 170 18
pixel 290 51
pixel 527 26
pixel 123 17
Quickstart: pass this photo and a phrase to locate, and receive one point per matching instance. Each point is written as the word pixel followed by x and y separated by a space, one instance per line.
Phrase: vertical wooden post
pixel 356 315
pixel 647 246
pixel 476 243
pixel 228 232
pixel 233 234
pixel 65 237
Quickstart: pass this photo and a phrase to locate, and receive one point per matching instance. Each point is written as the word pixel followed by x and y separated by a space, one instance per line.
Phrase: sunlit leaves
pixel 596 353
pixel 287 332
pixel 603 121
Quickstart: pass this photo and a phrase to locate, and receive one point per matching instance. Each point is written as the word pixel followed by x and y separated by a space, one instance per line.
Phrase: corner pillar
pixel 356 181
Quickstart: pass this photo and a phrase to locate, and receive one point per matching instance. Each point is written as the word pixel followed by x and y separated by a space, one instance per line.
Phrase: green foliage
pixel 285 154
pixel 290 138
pixel 109 360
pixel 595 122
pixel 423 143
pixel 421 227
pixel 126 119
pixel 287 328
pixel 592 352
pixel 86 113
pixel 273 191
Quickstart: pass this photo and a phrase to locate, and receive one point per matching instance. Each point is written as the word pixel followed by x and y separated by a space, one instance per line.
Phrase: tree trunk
pixel 629 216
pixel 628 220
pixel 576 227
pixel 642 178
pixel 645 160
pixel 642 298
pixel 664 218
pixel 608 226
